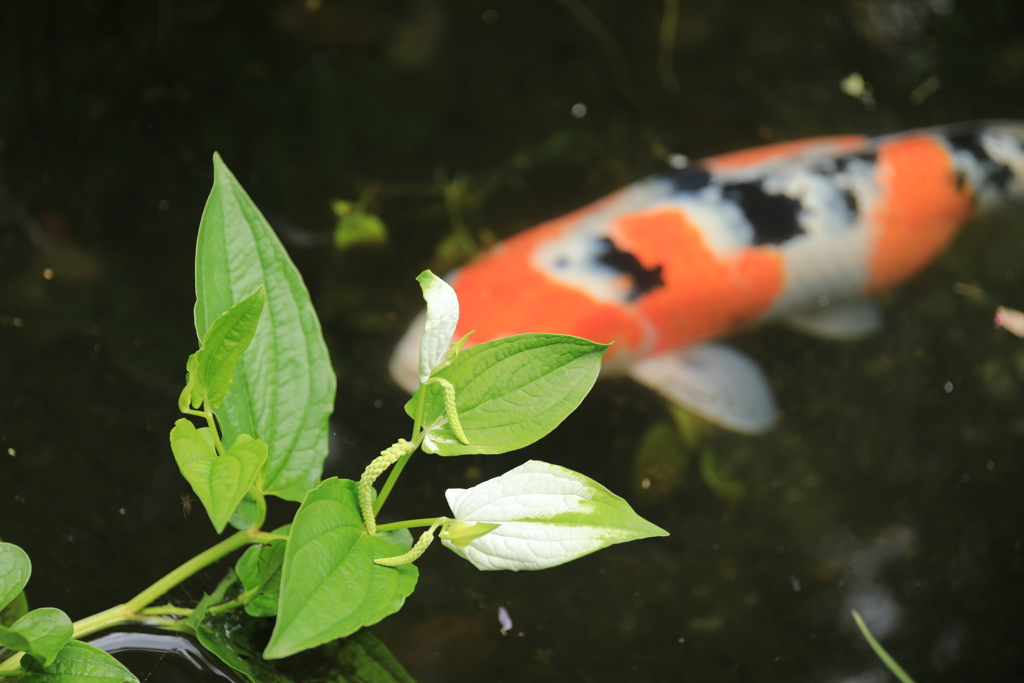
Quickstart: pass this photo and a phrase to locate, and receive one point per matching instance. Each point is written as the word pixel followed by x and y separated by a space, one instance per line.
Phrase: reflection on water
pixel 891 485
pixel 178 654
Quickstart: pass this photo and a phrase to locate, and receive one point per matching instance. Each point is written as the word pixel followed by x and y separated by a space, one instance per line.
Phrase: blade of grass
pixel 889 662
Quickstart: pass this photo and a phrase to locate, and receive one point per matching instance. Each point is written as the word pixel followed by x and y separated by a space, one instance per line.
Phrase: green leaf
pixel 220 482
pixel 15 568
pixel 237 640
pixel 185 397
pixel 546 516
pixel 283 391
pixel 509 392
pixel 330 586
pixel 441 321
pixel 259 568
pixel 78 662
pixel 211 368
pixel 358 229
pixel 15 610
pixel 246 514
pixel 41 633
pixel 209 600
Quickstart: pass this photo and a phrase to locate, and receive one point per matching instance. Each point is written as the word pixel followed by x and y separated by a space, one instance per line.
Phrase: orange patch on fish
pixel 921 211
pixel 745 158
pixel 503 293
pixel 704 295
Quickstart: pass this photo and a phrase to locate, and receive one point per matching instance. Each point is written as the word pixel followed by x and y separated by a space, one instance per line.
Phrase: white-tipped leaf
pixel 545 515
pixel 442 317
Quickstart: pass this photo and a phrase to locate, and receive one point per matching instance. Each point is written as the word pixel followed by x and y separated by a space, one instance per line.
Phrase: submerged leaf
pixel 237 639
pixel 284 387
pixel 330 585
pixel 509 392
pixel 545 515
pixel 77 662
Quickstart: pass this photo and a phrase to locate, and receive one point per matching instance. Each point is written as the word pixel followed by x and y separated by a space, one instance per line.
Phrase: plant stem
pixel 167 610
pixel 129 610
pixel 213 428
pixel 407 524
pixel 416 439
pixel 135 609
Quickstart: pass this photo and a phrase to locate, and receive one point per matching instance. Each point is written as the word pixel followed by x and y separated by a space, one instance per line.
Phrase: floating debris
pixel 505 620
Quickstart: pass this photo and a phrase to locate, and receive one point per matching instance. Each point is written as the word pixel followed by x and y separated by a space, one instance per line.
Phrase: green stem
pixel 208 414
pixel 130 610
pixel 135 609
pixel 407 524
pixel 10 667
pixel 165 610
pixel 416 439
pixel 392 479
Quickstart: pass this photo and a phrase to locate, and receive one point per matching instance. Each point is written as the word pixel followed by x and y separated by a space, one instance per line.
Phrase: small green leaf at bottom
pixel 41 633
pixel 77 662
pixel 545 515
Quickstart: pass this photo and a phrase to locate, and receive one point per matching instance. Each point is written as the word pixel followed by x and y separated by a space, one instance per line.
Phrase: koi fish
pixel 799 233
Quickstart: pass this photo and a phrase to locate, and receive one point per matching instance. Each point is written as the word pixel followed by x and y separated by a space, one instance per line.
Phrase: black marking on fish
pixel 971 143
pixel 773 216
pixel 689 179
pixel 1001 177
pixel 843 163
pixel 851 202
pixel 644 279
pixel 996 174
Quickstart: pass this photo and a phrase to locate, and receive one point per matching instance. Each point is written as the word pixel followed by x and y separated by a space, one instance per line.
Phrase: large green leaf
pixel 509 392
pixel 283 391
pixel 222 347
pixel 41 633
pixel 220 481
pixel 541 516
pixel 77 662
pixel 330 586
pixel 15 568
pixel 237 639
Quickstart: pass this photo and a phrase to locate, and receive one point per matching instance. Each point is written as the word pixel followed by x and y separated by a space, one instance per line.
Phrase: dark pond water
pixel 892 484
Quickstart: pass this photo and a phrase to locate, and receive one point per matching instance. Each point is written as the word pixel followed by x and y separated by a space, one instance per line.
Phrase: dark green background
pixel 878 488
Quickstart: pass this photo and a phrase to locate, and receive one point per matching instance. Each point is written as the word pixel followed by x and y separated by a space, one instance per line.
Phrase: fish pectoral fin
pixel 714 381
pixel 844 321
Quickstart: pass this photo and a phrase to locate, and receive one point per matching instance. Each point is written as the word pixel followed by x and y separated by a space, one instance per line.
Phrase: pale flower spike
pixel 449 409
pixel 420 547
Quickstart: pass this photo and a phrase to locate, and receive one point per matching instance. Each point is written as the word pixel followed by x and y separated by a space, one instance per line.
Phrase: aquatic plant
pixel 262 389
